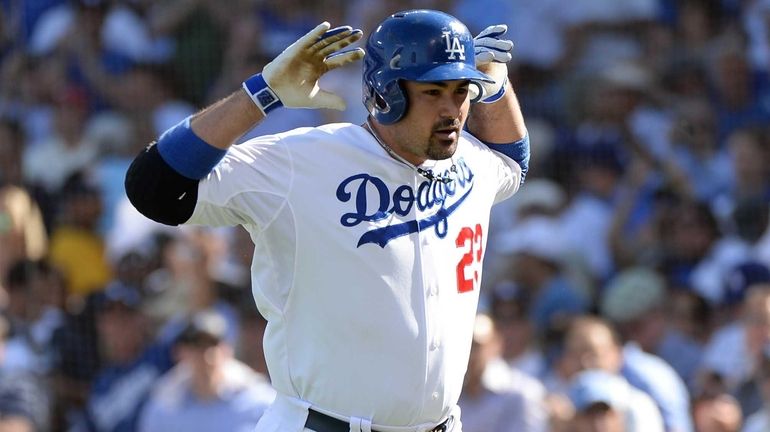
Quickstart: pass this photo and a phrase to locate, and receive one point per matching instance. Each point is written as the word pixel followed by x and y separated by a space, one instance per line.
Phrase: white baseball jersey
pixel 367 272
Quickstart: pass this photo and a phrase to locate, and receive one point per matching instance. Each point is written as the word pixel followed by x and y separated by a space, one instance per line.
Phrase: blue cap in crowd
pixel 122 294
pixel 740 278
pixel 595 386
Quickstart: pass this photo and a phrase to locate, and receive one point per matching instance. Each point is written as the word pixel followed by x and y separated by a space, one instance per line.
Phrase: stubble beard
pixel 440 149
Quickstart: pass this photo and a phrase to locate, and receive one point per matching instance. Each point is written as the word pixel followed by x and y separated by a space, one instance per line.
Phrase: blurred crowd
pixel 627 285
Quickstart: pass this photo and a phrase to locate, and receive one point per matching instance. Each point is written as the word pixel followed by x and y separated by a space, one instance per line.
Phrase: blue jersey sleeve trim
pixel 187 153
pixel 518 151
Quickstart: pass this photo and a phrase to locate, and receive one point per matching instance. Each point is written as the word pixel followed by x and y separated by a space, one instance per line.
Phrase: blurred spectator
pixel 508 307
pixel 24 403
pixel 757 28
pixel 252 332
pixel 209 389
pixel 77 248
pixel 759 421
pixel 119 28
pixel 132 361
pixel 719 413
pixel 605 402
pixel 658 379
pixel 495 397
pixel 76 345
pixel 284 23
pixel 82 16
pixel 597 167
pixel 544 198
pixel 750 176
pixel 40 81
pixel 696 150
pixel 541 197
pixel 185 284
pixel 741 96
pixel 738 282
pixel 748 392
pixel 115 135
pixel 36 308
pixel 146 92
pixel 645 196
pixel 591 343
pixel 51 162
pixel 695 253
pixel 22 231
pixel 634 300
pixel 198 29
pixel 744 339
pixel 132 232
pixel 538 267
pixel 602 35
pixel 696 24
pixel 12 141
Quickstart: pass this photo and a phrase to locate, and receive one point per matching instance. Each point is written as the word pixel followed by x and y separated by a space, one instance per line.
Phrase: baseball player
pixel 369 238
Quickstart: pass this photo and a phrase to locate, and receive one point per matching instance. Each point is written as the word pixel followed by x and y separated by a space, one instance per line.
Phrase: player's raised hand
pixel 492 52
pixel 489 47
pixel 294 74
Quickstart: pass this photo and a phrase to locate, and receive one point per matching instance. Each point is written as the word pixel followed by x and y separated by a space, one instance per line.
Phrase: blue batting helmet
pixel 415 45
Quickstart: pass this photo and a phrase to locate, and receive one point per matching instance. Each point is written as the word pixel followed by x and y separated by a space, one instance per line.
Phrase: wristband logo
pixel 374 201
pixel 266 97
pixel 453 46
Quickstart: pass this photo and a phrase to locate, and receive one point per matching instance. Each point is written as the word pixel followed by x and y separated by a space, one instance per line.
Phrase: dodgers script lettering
pixel 440 198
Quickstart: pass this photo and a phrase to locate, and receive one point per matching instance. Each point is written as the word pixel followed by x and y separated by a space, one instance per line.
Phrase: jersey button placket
pixel 432 301
pixel 428 242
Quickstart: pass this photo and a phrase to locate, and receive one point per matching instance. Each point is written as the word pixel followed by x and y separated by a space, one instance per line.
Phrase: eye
pixel 433 92
pixel 462 90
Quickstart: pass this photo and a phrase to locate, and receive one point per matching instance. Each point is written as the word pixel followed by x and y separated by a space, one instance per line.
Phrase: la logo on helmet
pixel 453 46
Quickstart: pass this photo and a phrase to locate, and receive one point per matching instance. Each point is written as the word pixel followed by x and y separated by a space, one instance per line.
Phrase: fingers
pixel 493 31
pixel 313 35
pixel 334 31
pixel 503 45
pixel 335 43
pixel 344 57
pixel 484 57
pixel 489 47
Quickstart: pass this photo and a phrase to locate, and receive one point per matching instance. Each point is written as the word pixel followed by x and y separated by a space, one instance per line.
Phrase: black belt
pixel 319 422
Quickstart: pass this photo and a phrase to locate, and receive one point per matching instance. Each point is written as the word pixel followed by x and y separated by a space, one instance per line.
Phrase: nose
pixel 450 106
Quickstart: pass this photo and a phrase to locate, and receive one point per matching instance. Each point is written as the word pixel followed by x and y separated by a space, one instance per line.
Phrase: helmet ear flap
pixel 386 108
pixel 380 102
pixel 375 103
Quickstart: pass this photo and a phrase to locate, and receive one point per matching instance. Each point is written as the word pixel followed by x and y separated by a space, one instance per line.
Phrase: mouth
pixel 448 134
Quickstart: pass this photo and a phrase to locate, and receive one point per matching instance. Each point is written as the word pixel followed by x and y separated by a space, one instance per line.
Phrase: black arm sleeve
pixel 158 191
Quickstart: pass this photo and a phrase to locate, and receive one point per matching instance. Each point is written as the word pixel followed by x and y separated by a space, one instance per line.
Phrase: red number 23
pixel 470 240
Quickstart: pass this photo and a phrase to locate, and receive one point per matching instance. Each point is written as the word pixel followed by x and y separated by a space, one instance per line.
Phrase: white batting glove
pixel 491 54
pixel 291 79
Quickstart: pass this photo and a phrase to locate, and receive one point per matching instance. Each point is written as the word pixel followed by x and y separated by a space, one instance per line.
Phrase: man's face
pixel 756 318
pixel 599 418
pixel 432 124
pixel 591 347
pixel 121 332
pixel 205 356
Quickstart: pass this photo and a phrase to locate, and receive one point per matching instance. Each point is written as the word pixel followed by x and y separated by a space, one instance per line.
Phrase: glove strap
pixel 261 94
pixel 497 96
